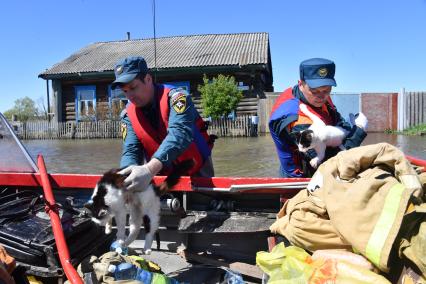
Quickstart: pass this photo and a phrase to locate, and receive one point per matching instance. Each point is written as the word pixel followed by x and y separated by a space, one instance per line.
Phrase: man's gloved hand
pixel 138 177
pixel 359 120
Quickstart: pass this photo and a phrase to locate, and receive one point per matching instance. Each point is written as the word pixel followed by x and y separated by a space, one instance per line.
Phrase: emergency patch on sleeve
pixel 178 102
pixel 123 130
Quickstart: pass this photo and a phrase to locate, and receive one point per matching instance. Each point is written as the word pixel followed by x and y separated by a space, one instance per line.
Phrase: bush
pixel 220 96
pixel 24 109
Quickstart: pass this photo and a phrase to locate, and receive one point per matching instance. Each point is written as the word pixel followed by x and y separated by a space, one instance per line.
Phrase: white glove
pixel 359 120
pixel 139 177
pixel 314 162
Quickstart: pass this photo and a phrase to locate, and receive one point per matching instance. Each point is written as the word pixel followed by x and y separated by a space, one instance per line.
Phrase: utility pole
pixel 155 42
pixel 48 100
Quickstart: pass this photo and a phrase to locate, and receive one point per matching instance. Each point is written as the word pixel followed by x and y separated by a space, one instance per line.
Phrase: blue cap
pixel 127 69
pixel 318 72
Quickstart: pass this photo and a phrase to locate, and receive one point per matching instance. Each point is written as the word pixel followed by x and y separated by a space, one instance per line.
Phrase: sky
pixel 377 45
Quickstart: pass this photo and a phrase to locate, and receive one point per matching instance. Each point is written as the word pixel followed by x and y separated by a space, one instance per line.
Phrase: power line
pixel 155 42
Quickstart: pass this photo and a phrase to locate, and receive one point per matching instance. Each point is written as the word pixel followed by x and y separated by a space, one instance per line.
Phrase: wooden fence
pixel 68 130
pixel 240 126
pixel 412 109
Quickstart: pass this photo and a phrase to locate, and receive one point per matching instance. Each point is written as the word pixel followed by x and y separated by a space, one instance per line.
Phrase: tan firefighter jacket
pixel 355 201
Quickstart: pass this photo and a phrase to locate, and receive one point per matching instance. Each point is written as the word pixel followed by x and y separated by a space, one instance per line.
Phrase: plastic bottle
pixel 115 246
pixel 112 268
pixel 232 277
pixel 144 276
pixel 128 271
pixel 124 271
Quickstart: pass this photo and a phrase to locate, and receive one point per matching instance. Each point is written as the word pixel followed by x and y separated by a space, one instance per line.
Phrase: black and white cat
pixel 319 136
pixel 111 199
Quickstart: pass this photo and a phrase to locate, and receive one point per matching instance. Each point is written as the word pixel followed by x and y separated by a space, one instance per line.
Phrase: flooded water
pixel 231 156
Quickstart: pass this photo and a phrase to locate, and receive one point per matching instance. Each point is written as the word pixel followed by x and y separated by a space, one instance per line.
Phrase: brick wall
pixel 381 110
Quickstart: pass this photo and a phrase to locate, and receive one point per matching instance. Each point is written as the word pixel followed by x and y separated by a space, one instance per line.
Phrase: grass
pixel 414 130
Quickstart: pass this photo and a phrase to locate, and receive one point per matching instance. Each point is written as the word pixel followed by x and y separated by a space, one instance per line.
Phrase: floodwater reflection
pixel 231 156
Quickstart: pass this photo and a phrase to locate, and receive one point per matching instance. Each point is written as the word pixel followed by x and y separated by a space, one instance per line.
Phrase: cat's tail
pixel 172 179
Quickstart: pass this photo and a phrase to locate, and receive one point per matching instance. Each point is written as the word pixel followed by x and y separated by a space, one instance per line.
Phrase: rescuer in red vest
pixel 160 127
pixel 313 89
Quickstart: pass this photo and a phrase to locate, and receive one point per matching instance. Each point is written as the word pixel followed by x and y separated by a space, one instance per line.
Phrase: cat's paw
pixel 314 162
pixel 108 230
pixel 303 108
pixel 146 251
pixel 302 149
pixel 359 119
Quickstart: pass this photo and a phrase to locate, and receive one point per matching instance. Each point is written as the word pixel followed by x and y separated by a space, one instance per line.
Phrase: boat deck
pixel 202 270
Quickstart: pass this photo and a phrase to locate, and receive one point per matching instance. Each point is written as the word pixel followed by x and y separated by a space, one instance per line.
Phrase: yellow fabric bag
pixel 294 265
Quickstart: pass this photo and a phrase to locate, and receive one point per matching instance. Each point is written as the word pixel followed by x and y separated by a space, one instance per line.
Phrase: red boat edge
pixel 186 184
pixel 87 181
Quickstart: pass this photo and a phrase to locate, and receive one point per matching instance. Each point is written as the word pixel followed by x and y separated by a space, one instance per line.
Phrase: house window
pixel 117 102
pixel 242 87
pixel 181 84
pixel 85 102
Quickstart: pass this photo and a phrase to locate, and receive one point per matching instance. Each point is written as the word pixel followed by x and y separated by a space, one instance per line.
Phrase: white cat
pixel 111 199
pixel 319 136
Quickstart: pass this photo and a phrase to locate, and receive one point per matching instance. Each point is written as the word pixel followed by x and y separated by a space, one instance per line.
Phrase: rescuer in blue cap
pixel 313 89
pixel 160 127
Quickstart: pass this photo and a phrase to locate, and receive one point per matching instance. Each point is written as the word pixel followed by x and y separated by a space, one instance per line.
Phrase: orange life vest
pixel 288 105
pixel 198 151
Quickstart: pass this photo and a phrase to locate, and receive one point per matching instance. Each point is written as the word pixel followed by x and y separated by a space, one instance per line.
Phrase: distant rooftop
pixel 238 49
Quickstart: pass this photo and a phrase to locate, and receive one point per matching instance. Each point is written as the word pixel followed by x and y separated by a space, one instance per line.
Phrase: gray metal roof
pixel 172 52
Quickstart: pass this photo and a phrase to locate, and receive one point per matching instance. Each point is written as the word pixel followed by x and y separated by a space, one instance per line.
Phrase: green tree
pixel 220 96
pixel 24 109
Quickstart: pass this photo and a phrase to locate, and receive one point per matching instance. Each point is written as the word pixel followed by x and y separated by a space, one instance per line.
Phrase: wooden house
pixel 81 83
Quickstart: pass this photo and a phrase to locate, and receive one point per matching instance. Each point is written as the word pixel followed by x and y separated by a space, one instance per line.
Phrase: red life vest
pixel 323 113
pixel 287 105
pixel 152 138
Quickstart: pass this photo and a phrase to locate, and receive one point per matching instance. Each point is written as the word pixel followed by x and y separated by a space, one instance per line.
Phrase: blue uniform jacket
pixel 179 133
pixel 286 114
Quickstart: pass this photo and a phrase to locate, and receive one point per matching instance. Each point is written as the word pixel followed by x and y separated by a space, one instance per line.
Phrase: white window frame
pixel 79 102
pixel 114 96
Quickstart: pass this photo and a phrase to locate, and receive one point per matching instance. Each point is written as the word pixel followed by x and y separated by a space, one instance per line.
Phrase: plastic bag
pixel 294 265
pixel 342 255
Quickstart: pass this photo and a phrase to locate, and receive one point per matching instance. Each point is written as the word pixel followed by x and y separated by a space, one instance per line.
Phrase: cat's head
pixel 304 140
pixel 97 205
